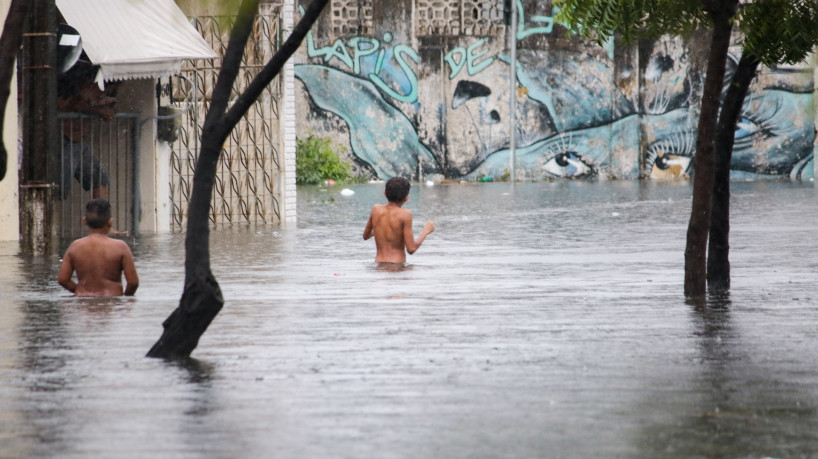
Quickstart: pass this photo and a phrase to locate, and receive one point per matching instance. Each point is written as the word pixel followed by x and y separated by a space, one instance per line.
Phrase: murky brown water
pixel 539 320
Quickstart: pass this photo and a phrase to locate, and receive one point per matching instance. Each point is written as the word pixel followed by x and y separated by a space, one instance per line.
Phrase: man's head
pixel 397 189
pixel 97 213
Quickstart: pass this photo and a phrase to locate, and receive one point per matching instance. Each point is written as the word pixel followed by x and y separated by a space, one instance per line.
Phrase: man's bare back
pixel 100 263
pixel 392 227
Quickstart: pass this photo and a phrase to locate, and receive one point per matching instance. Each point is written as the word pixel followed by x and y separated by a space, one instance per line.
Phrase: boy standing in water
pixel 99 260
pixel 392 225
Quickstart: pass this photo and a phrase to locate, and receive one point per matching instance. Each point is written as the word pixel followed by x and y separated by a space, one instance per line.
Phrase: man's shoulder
pixel 92 242
pixel 118 243
pixel 77 243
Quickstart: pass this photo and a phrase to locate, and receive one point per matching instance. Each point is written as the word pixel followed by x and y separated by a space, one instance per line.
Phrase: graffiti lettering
pixel 399 52
pixel 523 32
pixel 455 64
pixel 361 48
pixel 337 50
pixel 470 58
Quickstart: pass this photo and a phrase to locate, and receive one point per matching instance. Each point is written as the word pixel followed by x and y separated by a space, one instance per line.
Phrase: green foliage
pixel 775 31
pixel 779 31
pixel 316 161
pixel 630 19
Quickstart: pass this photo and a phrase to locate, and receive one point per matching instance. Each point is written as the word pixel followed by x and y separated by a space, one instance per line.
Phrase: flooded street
pixel 538 320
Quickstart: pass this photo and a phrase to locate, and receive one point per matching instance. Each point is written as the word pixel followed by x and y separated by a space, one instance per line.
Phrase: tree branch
pixel 10 42
pixel 231 64
pixel 274 66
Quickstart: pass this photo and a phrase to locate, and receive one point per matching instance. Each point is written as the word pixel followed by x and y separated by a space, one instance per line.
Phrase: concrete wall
pixel 287 121
pixel 9 199
pixel 408 85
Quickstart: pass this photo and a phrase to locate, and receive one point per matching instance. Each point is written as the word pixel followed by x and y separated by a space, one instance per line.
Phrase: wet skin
pixel 392 227
pixel 100 263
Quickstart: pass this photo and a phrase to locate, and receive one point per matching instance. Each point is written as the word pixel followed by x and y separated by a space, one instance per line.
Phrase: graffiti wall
pixel 424 87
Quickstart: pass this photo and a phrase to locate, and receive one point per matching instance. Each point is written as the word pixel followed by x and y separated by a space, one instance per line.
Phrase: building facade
pixel 147 150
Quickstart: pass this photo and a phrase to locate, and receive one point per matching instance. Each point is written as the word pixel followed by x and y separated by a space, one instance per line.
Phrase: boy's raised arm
pixel 409 240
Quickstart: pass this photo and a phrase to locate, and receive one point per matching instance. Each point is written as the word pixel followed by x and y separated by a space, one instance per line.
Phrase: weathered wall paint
pixel 438 104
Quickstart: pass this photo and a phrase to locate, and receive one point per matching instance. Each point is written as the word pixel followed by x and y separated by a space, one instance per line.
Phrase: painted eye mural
pixel 568 164
pixel 667 166
pixel 577 154
pixel 670 156
pixel 581 112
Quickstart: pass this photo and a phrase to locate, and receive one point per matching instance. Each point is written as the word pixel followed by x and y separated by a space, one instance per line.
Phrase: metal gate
pixel 247 188
pixel 98 159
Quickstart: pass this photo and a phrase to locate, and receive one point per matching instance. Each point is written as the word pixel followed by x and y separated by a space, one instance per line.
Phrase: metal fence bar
pixel 235 192
pixel 97 154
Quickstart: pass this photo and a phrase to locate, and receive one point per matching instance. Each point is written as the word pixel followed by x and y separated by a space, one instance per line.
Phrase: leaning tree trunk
pixel 718 262
pixel 703 163
pixel 10 42
pixel 202 299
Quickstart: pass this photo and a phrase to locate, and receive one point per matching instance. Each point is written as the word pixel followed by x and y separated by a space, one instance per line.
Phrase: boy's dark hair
pixel 97 213
pixel 397 188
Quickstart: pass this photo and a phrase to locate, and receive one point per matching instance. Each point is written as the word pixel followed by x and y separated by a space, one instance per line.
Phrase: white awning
pixel 132 39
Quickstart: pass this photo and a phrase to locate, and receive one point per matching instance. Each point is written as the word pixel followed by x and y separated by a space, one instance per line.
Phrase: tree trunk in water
pixel 703 164
pixel 10 43
pixel 202 299
pixel 718 262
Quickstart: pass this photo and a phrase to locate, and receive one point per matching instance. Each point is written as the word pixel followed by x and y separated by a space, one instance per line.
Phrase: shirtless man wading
pixel 98 260
pixel 392 225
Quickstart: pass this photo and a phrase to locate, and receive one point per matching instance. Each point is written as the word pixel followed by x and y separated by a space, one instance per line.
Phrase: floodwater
pixel 539 320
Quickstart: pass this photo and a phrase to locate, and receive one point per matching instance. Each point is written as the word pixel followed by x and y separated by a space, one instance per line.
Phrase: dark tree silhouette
pixel 721 13
pixel 774 32
pixel 718 261
pixel 10 42
pixel 202 298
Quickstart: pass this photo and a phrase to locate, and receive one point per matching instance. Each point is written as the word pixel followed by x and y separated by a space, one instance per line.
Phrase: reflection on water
pixel 537 320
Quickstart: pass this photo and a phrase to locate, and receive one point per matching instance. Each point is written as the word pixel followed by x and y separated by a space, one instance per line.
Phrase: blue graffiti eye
pixel 568 164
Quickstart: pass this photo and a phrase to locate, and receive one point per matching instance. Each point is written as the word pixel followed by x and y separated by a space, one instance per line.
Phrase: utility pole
pixel 39 169
pixel 510 19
